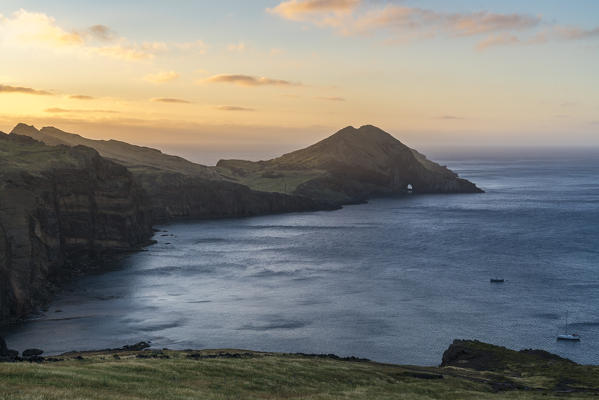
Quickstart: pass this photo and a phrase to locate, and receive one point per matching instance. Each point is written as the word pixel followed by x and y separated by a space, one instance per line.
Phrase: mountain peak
pixel 363 133
pixel 24 129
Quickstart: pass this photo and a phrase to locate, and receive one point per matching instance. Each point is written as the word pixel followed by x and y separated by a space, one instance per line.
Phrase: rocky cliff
pixel 178 188
pixel 61 209
pixel 351 165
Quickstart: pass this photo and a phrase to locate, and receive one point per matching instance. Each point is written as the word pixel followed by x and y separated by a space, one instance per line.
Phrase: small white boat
pixel 571 337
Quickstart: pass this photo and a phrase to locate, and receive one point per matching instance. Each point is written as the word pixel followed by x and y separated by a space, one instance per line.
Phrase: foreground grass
pixel 256 376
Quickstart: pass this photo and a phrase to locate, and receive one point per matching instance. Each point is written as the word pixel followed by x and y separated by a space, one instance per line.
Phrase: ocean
pixel 395 280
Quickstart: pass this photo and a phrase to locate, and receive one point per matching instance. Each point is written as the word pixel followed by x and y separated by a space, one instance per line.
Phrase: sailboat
pixel 572 337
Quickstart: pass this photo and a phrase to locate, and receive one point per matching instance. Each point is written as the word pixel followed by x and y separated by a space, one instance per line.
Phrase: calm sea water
pixel 395 280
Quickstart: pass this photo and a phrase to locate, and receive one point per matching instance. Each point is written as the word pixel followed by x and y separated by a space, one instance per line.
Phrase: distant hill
pixel 351 165
pixel 177 187
pixel 136 158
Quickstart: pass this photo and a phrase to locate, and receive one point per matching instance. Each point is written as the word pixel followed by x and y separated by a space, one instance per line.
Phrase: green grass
pixel 34 157
pixel 256 376
pixel 281 181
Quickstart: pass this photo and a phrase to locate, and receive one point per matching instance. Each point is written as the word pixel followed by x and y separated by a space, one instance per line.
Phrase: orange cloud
pixel 403 23
pixel 249 81
pixel 81 97
pixel 30 27
pixel 161 77
pixel 234 108
pixel 485 22
pixel 23 90
pixel 331 98
pixel 299 10
pixel 39 29
pixel 238 47
pixel 101 32
pixel 170 100
pixel 57 110
pixel 497 40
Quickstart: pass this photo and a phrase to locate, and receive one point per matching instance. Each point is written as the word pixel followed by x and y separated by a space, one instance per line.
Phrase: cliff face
pixel 351 165
pixel 61 209
pixel 177 187
pixel 174 195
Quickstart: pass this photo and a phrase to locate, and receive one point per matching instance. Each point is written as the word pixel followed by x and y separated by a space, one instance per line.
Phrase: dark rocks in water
pixel 32 353
pixel 136 347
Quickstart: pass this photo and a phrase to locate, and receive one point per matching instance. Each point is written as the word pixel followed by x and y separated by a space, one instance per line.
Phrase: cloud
pixel 234 108
pixel 57 110
pixel 331 98
pixel 249 81
pixel 401 23
pixel 81 97
pixel 300 10
pixel 23 90
pixel 575 33
pixel 124 52
pixel 101 32
pixel 25 28
pixel 449 117
pixel 497 40
pixel 161 77
pixel 485 22
pixel 198 45
pixel 236 47
pixel 568 104
pixel 170 100
pixel 29 27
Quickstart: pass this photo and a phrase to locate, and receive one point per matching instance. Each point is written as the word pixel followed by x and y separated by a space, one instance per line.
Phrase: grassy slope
pixel 136 158
pixel 262 376
pixel 33 157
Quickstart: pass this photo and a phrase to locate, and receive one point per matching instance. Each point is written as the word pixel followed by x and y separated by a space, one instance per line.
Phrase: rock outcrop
pixel 349 166
pixel 61 210
pixel 480 356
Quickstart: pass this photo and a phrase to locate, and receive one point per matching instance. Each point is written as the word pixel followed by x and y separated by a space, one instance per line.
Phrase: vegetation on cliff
pixel 351 165
pixel 177 187
pixel 238 374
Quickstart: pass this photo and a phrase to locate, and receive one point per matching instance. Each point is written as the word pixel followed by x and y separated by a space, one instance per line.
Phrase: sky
pixel 254 79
